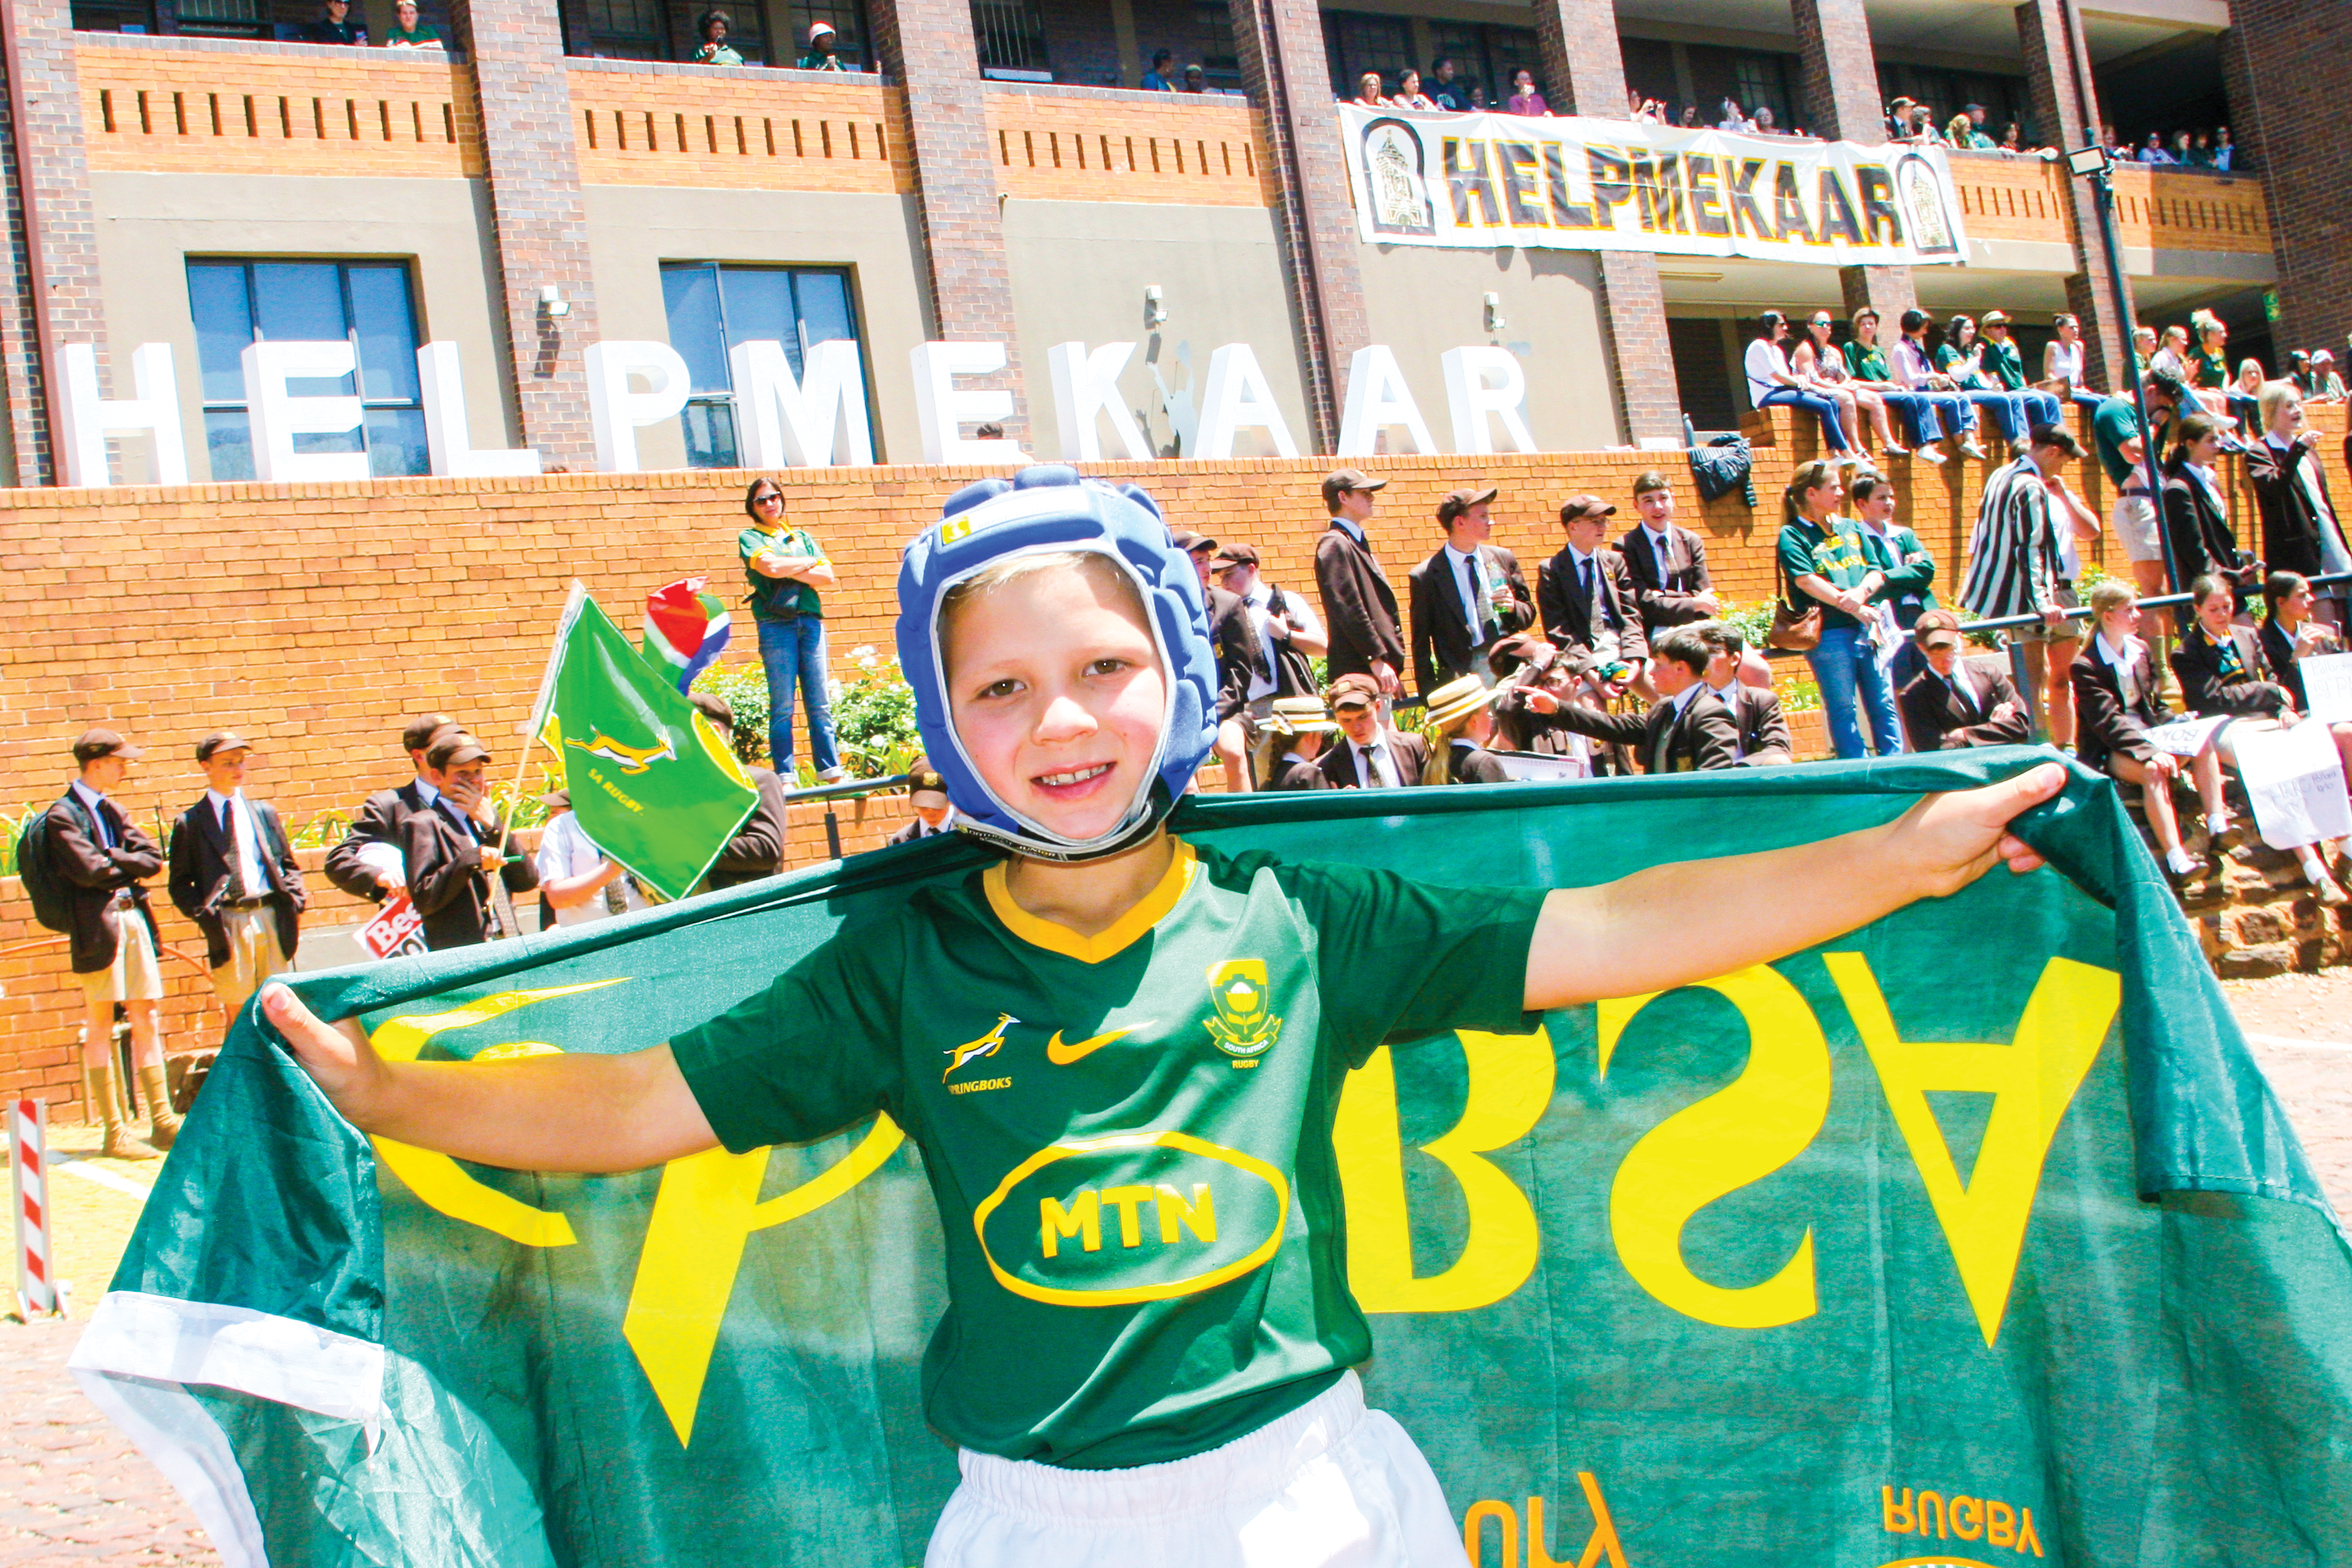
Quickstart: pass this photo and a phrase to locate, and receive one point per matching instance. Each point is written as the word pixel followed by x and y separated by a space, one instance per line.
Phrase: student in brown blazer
pixel 2116 703
pixel 1688 731
pixel 1764 737
pixel 449 850
pixel 233 874
pixel 1665 561
pixel 2219 664
pixel 1956 701
pixel 1586 597
pixel 1359 608
pixel 366 864
pixel 1366 756
pixel 1463 574
pixel 102 858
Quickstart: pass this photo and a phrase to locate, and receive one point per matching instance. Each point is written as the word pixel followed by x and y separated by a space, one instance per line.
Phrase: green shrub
pixel 744 689
pixel 874 718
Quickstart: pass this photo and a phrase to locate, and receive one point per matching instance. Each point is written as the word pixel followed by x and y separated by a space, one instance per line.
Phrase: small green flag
pixel 651 781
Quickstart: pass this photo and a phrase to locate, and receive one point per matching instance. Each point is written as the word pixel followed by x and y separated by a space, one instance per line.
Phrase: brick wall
pixel 523 101
pixel 307 110
pixel 66 303
pixel 2285 62
pixel 2056 69
pixel 1129 147
pixel 780 131
pixel 927 45
pixel 316 619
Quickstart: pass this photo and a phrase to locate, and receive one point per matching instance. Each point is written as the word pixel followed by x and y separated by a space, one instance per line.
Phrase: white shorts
pixel 1330 1485
pixel 2134 528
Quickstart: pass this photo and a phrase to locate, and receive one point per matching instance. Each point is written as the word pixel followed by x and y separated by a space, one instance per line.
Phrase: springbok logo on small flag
pixel 684 629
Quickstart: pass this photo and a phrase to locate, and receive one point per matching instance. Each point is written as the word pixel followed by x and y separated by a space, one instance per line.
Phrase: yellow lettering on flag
pixel 2033 1080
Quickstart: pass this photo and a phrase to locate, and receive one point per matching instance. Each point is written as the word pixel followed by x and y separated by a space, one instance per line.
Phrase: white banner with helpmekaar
pixel 1475 182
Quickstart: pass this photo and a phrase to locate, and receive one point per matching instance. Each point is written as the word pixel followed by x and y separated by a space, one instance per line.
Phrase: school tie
pixel 235 857
pixel 1658 753
pixel 1370 770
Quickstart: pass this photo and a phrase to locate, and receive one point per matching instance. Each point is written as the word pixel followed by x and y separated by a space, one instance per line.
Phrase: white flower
pixel 832 690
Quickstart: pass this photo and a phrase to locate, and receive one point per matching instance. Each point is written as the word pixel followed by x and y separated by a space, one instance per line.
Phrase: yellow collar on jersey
pixel 1115 938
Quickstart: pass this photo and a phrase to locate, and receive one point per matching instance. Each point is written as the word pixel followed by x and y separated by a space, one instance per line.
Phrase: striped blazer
pixel 2013 554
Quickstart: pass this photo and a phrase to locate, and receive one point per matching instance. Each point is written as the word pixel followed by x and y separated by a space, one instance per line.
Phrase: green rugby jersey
pixel 1128 1135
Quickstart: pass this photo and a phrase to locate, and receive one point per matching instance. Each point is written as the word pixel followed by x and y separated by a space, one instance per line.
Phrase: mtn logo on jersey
pixel 1244 1026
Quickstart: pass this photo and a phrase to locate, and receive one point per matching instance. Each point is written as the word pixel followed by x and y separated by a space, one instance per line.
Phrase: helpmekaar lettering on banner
pixel 1477 181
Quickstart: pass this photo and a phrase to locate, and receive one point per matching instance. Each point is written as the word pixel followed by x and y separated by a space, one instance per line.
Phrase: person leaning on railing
pixel 714 50
pixel 336 26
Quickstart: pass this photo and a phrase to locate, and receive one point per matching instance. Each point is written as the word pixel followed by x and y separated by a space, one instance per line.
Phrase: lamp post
pixel 2095 163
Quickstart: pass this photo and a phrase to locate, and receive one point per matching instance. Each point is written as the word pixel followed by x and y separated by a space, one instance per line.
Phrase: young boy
pixel 1121 1056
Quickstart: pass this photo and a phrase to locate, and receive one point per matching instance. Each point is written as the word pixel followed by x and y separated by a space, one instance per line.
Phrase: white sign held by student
pixel 2327 683
pixel 2295 780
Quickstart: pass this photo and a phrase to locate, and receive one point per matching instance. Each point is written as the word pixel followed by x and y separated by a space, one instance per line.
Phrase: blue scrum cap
pixel 1044 509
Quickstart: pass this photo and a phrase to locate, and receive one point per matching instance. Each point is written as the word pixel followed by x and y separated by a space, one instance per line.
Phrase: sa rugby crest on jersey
pixel 1245 1027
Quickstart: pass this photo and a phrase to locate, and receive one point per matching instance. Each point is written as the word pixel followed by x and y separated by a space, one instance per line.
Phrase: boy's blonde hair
pixel 1093 564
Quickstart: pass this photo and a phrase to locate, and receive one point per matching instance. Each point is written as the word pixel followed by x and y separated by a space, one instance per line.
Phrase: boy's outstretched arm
pixel 562 1112
pixel 1692 920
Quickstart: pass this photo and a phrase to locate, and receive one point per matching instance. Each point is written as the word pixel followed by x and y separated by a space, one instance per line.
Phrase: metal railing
pixel 849 790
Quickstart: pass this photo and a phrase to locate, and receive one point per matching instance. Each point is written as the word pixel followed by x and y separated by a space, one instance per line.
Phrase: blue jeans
pixel 2042 407
pixel 1798 398
pixel 790 649
pixel 2008 410
pixel 1845 664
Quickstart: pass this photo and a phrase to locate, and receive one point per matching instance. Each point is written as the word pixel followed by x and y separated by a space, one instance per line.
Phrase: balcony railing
pixel 158 105
pixel 761 130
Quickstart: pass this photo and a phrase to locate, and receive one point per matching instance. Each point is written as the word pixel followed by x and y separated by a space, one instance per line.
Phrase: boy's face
pixel 1656 506
pixel 105 773
pixel 1055 690
pixel 1361 723
pixel 225 769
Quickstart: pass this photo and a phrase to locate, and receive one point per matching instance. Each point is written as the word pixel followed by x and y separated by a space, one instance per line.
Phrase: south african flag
pixel 684 629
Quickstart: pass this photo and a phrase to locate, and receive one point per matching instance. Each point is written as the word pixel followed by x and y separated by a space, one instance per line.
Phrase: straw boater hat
pixel 1299 715
pixel 1458 699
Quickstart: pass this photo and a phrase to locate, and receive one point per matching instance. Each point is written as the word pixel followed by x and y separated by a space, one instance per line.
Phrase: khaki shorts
pixel 2134 528
pixel 2065 631
pixel 134 976
pixel 253 955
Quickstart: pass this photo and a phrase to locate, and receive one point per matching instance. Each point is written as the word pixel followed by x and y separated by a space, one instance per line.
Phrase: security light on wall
pixel 1155 310
pixel 2089 160
pixel 1493 312
pixel 552 301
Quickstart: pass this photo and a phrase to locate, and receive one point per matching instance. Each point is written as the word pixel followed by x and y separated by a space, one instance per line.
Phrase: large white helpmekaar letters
pixel 89 419
pixel 614 411
pixel 446 440
pixel 942 409
pixel 277 416
pixel 1086 392
pixel 818 421
pixel 1481 380
pixel 1379 399
pixel 1236 396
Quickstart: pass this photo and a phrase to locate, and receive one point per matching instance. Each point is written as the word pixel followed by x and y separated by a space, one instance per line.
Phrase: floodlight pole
pixel 2102 193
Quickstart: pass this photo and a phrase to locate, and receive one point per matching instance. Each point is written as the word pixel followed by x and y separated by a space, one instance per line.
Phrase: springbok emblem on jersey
pixel 973 1049
pixel 626 758
pixel 1243 1027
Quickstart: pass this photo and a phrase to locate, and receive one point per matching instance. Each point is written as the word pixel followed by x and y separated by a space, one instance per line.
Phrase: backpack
pixel 44 888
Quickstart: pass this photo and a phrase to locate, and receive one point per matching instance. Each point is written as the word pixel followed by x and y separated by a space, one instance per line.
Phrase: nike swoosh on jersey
pixel 1062 1055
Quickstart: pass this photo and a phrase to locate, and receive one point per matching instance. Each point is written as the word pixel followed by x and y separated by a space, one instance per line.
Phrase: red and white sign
pixel 28 1158
pixel 396 928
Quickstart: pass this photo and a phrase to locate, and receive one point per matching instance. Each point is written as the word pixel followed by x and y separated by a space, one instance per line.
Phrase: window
pixel 368 302
pixel 713 307
pixel 1010 33
pixel 619 29
pixel 849 33
pixel 113 16
pixel 224 18
pixel 1213 25
pixel 1358 43
pixel 1484 57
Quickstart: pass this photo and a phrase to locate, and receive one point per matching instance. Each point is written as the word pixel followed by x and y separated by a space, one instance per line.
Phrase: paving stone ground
pixel 74 1490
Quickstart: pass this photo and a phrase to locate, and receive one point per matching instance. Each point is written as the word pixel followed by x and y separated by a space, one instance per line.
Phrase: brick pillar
pixel 538 215
pixel 1839 93
pixel 1286 73
pixel 927 46
pixel 2272 71
pixel 49 293
pixel 2066 109
pixel 1585 73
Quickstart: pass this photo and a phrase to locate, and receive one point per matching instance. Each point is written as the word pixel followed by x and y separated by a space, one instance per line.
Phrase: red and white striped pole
pixel 29 1159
